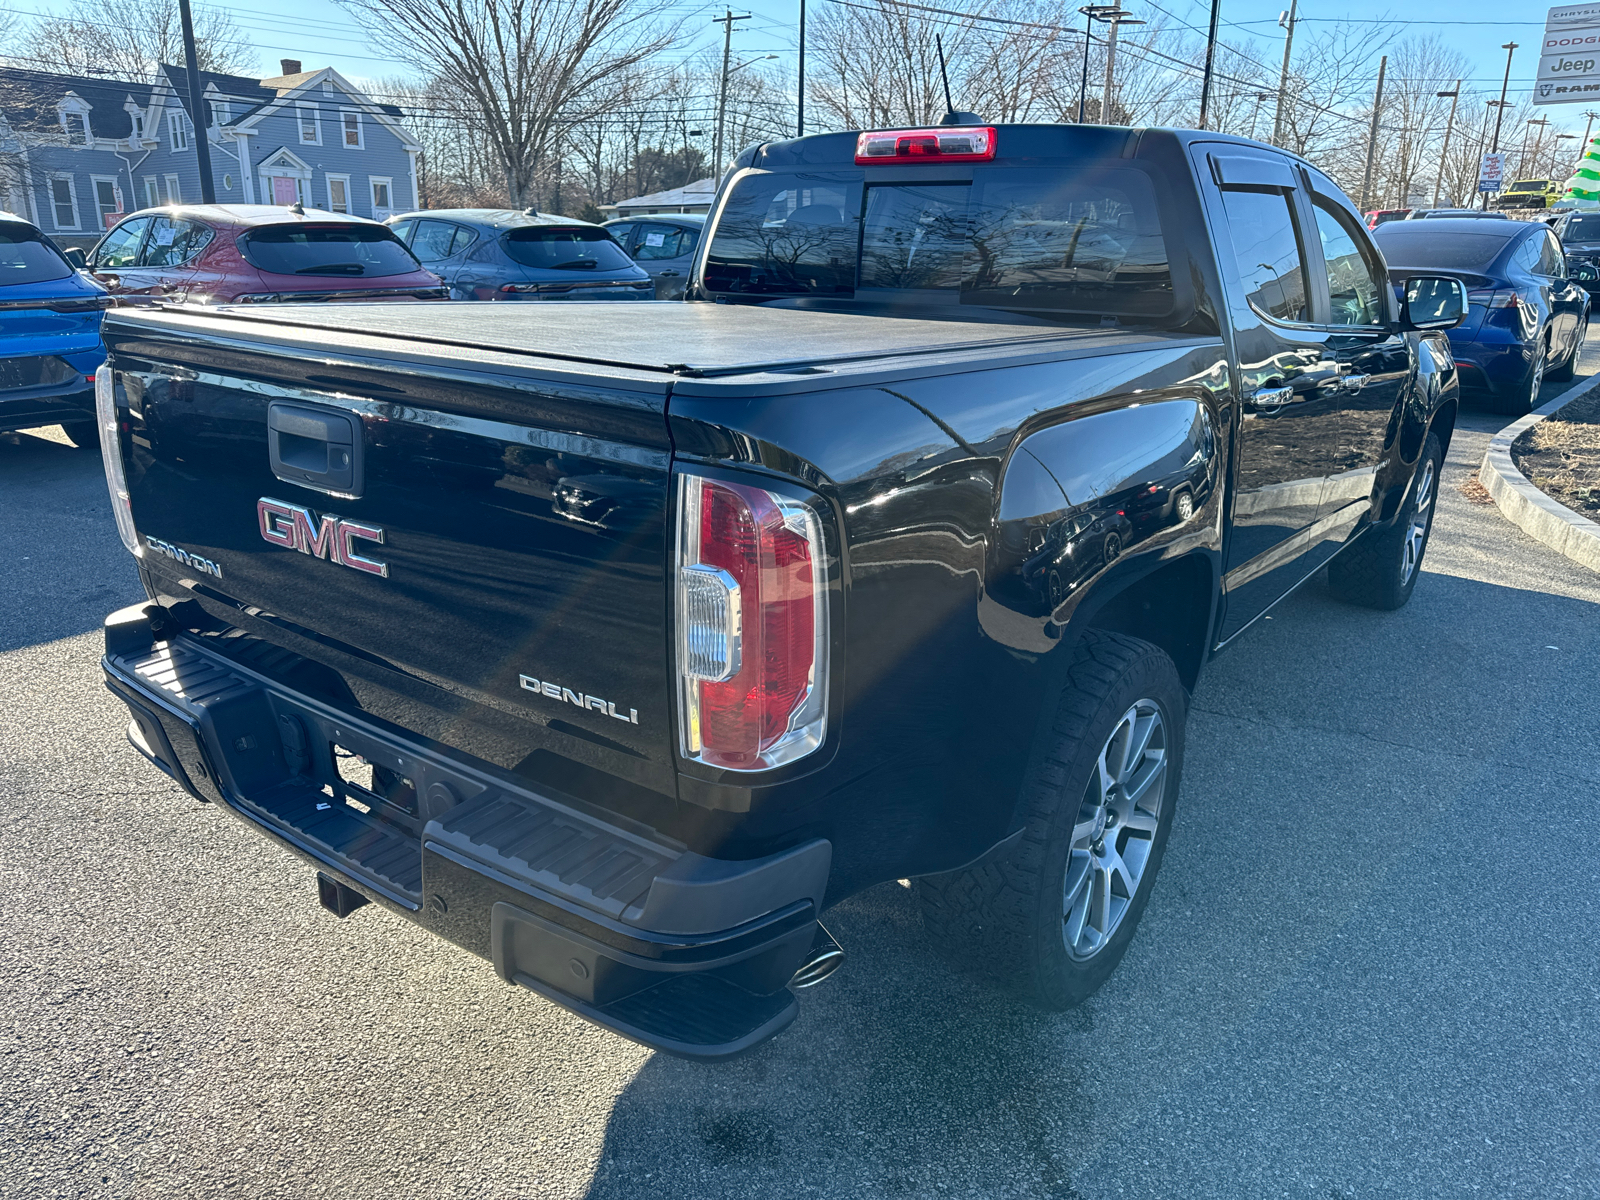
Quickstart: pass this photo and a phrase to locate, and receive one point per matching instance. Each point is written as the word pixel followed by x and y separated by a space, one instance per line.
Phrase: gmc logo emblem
pixel 296 528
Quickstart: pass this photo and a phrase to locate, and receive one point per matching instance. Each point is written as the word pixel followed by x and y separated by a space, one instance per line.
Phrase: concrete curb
pixel 1524 505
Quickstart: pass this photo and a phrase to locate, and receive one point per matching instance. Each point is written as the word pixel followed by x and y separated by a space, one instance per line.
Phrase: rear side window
pixel 432 241
pixel 1551 261
pixel 25 257
pixel 1081 240
pixel 554 248
pixel 173 242
pixel 663 241
pixel 1267 251
pixel 356 251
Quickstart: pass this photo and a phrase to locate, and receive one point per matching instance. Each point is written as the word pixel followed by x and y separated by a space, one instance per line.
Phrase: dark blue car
pixel 1527 316
pixel 49 335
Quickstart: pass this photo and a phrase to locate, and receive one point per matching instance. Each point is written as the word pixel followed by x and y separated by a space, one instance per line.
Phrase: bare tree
pixel 132 41
pixel 522 68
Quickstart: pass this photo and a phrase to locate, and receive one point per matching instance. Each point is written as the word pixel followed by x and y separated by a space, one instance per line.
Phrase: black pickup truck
pixel 615 644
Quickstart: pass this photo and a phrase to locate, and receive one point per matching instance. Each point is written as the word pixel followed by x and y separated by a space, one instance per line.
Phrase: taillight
pixel 105 411
pixel 1494 298
pixel 946 144
pixel 752 626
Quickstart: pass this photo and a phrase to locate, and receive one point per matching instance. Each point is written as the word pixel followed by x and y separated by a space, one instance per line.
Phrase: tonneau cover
pixel 671 338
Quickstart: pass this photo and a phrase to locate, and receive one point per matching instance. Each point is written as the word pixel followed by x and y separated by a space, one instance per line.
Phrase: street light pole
pixel 1500 110
pixel 1255 115
pixel 1283 79
pixel 800 114
pixel 1211 53
pixel 1522 163
pixel 1091 14
pixel 1372 137
pixel 1555 153
pixel 199 109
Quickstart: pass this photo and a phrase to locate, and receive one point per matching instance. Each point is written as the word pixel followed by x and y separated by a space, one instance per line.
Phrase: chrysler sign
pixel 1569 56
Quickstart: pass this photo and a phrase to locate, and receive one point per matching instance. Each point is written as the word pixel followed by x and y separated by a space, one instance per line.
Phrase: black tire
pixel 1522 399
pixel 1569 365
pixel 1008 918
pixel 1381 568
pixel 85 435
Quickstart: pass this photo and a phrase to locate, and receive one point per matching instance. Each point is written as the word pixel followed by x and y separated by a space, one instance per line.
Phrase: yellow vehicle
pixel 1529 193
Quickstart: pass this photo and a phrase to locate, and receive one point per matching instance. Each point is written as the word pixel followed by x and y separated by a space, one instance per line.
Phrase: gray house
pixel 76 153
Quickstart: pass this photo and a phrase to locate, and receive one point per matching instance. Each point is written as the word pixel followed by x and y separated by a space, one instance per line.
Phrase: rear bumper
pixel 682 953
pixel 61 404
pixel 1493 367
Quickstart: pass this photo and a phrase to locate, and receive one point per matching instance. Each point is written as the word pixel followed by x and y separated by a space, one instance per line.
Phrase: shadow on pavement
pixel 1324 963
pixel 65 566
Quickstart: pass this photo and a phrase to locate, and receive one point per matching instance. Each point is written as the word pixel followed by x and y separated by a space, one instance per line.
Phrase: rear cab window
pixel 354 251
pixel 26 257
pixel 1078 240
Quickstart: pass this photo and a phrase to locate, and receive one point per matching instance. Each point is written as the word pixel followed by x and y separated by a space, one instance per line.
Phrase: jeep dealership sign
pixel 1569 57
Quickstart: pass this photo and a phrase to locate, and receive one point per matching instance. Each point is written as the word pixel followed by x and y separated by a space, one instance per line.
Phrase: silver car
pixel 663 245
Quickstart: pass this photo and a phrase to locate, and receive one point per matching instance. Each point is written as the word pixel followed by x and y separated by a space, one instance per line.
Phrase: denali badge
pixel 557 692
pixel 204 565
pixel 298 528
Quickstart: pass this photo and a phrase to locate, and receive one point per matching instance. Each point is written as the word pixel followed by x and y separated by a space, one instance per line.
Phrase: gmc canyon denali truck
pixel 616 644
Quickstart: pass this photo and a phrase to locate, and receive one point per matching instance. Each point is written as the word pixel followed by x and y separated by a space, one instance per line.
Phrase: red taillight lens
pixel 752 626
pixel 1492 298
pixel 972 143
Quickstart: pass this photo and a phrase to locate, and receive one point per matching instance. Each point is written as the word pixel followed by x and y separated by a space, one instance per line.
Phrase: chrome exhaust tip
pixel 823 959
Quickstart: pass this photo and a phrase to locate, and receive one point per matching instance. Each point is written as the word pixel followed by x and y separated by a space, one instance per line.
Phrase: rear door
pixel 665 252
pixel 1289 432
pixel 118 253
pixel 418 531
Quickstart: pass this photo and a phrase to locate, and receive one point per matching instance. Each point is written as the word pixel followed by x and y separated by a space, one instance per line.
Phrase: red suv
pixel 258 253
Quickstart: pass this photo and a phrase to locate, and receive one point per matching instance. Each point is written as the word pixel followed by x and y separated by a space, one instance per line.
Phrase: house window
pixel 227 183
pixel 221 111
pixel 310 124
pixel 137 118
pixel 77 127
pixel 339 193
pixel 174 194
pixel 64 202
pixel 177 134
pixel 107 202
pixel 380 197
pixel 352 130
pixel 152 191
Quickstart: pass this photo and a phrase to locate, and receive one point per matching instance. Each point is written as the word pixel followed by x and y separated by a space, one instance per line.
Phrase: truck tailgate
pixel 483 563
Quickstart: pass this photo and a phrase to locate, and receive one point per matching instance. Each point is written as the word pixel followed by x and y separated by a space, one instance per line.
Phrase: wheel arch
pixel 1172 606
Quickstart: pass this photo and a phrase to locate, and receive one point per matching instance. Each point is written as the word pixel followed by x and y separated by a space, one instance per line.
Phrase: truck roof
pixel 673 339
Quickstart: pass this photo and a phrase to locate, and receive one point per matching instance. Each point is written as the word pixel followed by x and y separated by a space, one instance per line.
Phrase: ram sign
pixel 1569 57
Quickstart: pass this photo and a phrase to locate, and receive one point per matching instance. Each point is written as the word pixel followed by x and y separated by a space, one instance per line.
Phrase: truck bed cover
pixel 686 340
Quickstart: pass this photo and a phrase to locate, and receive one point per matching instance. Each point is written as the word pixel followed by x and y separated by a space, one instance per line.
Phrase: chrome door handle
pixel 668 274
pixel 1269 400
pixel 1354 383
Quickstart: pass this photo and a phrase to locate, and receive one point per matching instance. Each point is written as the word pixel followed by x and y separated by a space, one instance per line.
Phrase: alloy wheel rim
pixel 1115 830
pixel 1417 529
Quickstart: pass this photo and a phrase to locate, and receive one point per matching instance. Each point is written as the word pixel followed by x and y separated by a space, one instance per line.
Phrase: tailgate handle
pixel 318 448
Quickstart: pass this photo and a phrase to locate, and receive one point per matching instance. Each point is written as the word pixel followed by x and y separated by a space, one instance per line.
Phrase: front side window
pixel 1267 250
pixel 1352 284
pixel 177 132
pixel 63 203
pixel 120 247
pixel 356 251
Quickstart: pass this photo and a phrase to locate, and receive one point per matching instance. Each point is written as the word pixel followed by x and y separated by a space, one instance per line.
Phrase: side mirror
pixel 1582 272
pixel 77 258
pixel 1433 302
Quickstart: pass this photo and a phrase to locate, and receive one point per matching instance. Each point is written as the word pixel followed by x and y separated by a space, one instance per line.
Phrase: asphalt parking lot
pixel 1369 968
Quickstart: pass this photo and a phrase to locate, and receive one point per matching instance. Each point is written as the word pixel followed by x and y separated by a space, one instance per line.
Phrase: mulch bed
pixel 1561 456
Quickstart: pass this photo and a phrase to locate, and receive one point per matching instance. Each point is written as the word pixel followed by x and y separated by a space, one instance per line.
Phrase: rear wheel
pixel 85 435
pixel 1053 915
pixel 1380 569
pixel 1525 396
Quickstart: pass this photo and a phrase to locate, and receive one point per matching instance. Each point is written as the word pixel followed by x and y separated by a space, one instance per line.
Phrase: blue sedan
pixel 1527 315
pixel 502 254
pixel 49 335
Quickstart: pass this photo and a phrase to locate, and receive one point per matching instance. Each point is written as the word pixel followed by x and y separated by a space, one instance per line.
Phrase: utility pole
pixel 1586 129
pixel 1444 155
pixel 1283 79
pixel 199 108
pixel 1500 110
pixel 722 95
pixel 800 115
pixel 1372 136
pixel 1111 59
pixel 1211 52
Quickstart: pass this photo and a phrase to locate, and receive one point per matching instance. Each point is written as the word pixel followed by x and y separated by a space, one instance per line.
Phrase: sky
pixel 319 33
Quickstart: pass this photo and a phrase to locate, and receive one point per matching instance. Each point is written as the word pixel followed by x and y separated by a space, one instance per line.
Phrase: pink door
pixel 283 191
